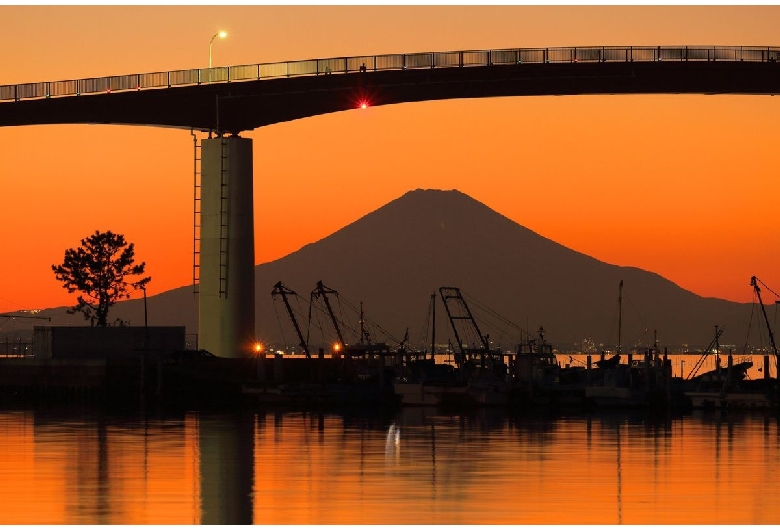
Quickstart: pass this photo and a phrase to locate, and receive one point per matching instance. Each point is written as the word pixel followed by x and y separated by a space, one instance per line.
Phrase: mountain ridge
pixel 392 258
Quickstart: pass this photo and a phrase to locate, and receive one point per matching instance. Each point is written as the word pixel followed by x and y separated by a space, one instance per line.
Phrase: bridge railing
pixel 373 63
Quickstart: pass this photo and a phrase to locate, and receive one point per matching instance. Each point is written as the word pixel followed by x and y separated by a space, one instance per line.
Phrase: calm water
pixel 414 466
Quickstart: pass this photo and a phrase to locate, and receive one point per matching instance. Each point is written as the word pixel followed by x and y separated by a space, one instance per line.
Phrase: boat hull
pixel 615 396
pixel 427 394
pixel 731 400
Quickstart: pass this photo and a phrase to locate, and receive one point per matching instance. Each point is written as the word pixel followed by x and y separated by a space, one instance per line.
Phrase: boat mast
pixel 754 283
pixel 284 291
pixel 717 349
pixel 323 291
pixel 713 344
pixel 362 328
pixel 433 324
pixel 454 292
pixel 620 316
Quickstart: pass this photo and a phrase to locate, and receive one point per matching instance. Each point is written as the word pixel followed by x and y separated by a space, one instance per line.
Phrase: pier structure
pixel 225 247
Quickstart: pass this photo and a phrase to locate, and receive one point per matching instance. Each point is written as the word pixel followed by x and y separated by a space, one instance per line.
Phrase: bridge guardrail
pixel 410 61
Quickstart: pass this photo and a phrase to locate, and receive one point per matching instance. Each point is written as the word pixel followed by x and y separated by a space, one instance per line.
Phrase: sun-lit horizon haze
pixel 685 186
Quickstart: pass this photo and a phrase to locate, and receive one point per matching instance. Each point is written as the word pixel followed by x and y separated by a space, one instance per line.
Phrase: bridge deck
pixel 243 97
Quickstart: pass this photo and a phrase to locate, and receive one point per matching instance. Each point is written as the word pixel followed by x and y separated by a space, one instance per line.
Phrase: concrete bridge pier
pixel 226 303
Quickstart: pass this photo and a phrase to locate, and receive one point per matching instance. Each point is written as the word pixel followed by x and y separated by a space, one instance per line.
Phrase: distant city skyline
pixel 684 186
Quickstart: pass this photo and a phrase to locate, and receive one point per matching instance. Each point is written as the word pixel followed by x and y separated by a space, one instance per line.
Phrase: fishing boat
pixel 639 382
pixel 729 387
pixel 426 383
pixel 541 381
pixel 479 378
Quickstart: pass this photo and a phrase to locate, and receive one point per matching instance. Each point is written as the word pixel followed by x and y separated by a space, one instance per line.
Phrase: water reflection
pixel 417 466
pixel 392 443
pixel 226 450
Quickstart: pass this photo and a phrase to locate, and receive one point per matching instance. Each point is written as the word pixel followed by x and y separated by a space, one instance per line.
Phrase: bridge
pixel 240 98
pixel 225 101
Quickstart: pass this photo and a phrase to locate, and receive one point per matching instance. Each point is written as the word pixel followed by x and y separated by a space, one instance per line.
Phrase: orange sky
pixel 684 186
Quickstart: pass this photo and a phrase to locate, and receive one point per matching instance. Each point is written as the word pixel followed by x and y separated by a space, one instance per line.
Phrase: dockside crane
pixel 322 292
pixel 754 283
pixel 452 296
pixel 281 290
pixel 365 341
pixel 710 346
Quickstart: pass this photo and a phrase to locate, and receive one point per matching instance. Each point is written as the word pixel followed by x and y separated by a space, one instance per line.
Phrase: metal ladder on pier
pixel 223 217
pixel 198 188
pixel 223 214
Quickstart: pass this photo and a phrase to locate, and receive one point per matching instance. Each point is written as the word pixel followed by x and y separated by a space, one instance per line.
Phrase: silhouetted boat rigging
pixel 635 384
pixel 730 387
pixel 366 370
pixel 359 371
pixel 613 361
pixel 283 291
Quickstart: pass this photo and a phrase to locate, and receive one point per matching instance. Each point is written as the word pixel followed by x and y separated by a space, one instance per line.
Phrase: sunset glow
pixel 681 185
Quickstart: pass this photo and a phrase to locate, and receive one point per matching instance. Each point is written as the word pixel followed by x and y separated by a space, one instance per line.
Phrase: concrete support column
pixel 226 310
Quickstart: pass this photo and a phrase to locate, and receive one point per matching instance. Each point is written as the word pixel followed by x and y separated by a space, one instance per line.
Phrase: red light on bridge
pixel 363 104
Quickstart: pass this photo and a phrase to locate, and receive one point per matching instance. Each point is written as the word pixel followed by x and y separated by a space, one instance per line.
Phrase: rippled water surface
pixel 413 466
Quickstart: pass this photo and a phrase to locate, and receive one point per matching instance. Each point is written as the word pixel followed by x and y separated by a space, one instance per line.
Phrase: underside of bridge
pixel 242 106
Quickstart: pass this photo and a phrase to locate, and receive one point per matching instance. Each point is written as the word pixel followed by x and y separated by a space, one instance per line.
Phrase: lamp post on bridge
pixel 221 35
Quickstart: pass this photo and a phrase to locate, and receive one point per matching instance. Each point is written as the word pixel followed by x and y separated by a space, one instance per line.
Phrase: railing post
pixel 460 59
pixel 16 92
pixel 433 59
pixel 258 72
pixel 169 78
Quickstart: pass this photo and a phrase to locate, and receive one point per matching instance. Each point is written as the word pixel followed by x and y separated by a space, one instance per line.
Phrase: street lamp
pixel 221 35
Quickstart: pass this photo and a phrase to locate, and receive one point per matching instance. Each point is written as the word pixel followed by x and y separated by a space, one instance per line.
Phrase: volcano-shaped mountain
pixel 394 258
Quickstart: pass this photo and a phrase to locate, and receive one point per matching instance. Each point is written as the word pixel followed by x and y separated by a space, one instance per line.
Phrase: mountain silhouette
pixel 392 259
